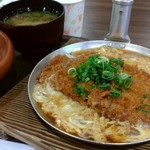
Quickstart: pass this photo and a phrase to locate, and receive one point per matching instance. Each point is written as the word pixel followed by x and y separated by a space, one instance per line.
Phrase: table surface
pixel 96 24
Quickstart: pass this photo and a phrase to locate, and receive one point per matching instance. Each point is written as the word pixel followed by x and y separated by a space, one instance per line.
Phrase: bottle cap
pixel 123 2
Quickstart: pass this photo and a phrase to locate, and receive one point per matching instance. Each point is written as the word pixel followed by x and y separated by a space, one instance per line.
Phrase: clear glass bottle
pixel 121 12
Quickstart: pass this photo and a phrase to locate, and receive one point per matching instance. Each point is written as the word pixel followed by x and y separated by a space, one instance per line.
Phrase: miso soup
pixel 31 18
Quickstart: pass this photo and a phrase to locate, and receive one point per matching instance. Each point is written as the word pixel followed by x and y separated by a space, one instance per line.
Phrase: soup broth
pixel 31 18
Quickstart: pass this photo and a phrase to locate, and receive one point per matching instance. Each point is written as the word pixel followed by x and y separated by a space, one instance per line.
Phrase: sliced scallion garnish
pixel 104 86
pixel 115 93
pixel 108 75
pixel 145 108
pixel 127 83
pixel 144 95
pixel 104 73
pixel 80 90
pixel 72 72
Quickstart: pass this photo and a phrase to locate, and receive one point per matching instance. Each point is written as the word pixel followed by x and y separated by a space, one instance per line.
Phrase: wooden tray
pixel 19 120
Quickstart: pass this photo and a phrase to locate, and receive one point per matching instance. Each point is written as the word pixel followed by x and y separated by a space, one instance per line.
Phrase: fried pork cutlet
pixel 99 99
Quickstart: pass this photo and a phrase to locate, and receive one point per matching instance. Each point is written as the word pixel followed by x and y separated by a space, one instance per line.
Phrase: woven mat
pixel 19 120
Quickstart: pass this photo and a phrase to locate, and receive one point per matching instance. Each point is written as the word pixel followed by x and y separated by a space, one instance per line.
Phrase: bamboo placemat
pixel 19 120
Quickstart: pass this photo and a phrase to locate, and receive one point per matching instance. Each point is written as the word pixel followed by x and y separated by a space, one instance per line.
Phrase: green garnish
pixel 145 108
pixel 72 72
pixel 80 90
pixel 144 96
pixel 104 86
pixel 116 64
pixel 115 93
pixel 124 80
pixel 106 74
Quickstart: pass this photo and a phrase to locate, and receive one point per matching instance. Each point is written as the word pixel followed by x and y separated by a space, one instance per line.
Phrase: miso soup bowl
pixel 34 41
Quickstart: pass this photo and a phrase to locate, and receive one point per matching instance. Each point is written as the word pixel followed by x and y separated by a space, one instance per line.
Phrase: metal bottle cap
pixel 123 2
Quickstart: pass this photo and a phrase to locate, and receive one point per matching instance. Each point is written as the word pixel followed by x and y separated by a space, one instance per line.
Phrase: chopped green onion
pixel 72 72
pixel 123 75
pixel 118 81
pixel 127 83
pixel 143 109
pixel 102 59
pixel 104 86
pixel 115 93
pixel 117 61
pixel 103 73
pixel 144 96
pixel 101 62
pixel 124 80
pixel 107 75
pixel 87 79
pixel 80 90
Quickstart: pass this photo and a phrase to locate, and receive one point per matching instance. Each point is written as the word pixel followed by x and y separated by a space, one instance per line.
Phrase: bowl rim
pixel 6 61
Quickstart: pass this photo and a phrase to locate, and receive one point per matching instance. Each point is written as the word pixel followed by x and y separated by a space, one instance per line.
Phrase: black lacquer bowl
pixel 34 41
